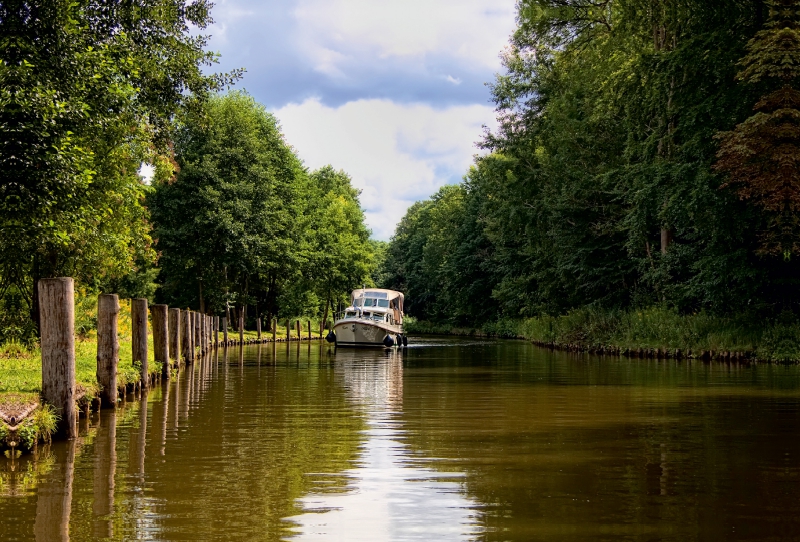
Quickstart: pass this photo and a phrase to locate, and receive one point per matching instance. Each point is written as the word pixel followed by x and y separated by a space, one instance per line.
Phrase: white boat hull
pixel 353 332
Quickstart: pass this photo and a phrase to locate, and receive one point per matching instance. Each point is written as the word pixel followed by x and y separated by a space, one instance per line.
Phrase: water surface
pixel 447 440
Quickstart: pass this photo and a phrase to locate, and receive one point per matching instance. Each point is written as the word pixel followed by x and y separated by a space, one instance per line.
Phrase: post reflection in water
pixel 105 466
pixel 54 495
pixel 389 495
pixel 447 440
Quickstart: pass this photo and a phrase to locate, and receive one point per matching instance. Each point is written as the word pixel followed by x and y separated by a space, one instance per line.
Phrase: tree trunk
pixel 34 313
pixel 666 239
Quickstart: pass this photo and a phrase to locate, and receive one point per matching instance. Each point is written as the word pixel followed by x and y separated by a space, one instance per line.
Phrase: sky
pixel 393 92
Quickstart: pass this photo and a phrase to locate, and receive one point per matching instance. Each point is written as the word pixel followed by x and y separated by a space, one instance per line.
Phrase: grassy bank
pixel 21 373
pixel 654 331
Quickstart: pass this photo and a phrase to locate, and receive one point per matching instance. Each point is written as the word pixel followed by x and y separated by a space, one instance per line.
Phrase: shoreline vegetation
pixel 638 195
pixel 647 333
pixel 26 422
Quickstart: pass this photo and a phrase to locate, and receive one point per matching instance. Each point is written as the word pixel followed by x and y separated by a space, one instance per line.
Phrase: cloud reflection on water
pixel 391 495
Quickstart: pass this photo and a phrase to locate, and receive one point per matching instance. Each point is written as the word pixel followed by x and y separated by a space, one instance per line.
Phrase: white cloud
pixel 395 153
pixel 474 31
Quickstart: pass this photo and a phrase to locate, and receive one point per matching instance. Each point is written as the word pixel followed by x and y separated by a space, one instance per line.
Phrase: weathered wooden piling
pixel 258 328
pixel 299 335
pixel 225 330
pixel 107 348
pixel 309 330
pixel 274 330
pixel 159 313
pixel 186 341
pixel 216 331
pixel 288 331
pixel 175 335
pixel 57 327
pixel 197 344
pixel 241 327
pixel 139 336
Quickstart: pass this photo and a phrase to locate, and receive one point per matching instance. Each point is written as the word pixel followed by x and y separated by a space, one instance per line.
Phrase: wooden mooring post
pixel 299 329
pixel 186 341
pixel 241 327
pixel 197 344
pixel 309 330
pixel 57 327
pixel 159 313
pixel 175 335
pixel 225 330
pixel 216 331
pixel 139 337
pixel 288 331
pixel 274 330
pixel 107 348
pixel 258 327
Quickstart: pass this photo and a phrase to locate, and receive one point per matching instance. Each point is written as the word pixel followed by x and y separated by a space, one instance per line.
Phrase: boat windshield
pixel 383 303
pixel 369 302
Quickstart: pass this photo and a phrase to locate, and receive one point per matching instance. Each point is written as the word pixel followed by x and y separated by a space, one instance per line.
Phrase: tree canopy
pixel 88 90
pixel 628 168
pixel 244 224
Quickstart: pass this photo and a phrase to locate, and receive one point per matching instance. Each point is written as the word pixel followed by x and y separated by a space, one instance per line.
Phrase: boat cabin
pixel 376 304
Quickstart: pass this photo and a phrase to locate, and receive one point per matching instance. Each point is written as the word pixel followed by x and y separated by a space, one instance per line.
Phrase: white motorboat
pixel 374 318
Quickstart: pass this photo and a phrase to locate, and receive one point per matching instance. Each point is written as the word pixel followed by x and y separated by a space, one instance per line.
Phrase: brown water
pixel 449 440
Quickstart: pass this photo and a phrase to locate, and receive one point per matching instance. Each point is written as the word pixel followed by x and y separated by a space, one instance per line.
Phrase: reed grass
pixel 776 339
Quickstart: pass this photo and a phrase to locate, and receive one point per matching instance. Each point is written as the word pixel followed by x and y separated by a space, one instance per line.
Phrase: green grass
pixel 21 370
pixel 280 333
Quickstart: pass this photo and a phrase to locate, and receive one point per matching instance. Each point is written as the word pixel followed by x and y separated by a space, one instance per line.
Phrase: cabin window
pixel 383 303
pixel 369 302
pixel 378 317
pixel 358 302
pixel 350 314
pixel 366 314
pixel 378 295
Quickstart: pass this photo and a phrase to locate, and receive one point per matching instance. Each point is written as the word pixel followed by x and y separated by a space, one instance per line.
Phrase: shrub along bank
pixel 653 332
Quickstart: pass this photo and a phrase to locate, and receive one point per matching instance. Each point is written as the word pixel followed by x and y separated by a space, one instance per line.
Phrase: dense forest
pixel 647 155
pixel 90 91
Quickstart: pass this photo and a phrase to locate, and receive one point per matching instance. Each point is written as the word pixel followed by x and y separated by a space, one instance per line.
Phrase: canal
pixel 447 440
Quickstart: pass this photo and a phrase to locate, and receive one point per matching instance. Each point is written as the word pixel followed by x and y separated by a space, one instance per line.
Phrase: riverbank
pixel 653 332
pixel 25 422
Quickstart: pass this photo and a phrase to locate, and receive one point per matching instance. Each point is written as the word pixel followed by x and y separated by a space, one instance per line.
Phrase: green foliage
pixel 87 92
pixel 599 191
pixel 244 224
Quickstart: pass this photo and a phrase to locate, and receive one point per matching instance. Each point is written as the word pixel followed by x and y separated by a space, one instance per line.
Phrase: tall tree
pixel 761 156
pixel 87 91
pixel 228 223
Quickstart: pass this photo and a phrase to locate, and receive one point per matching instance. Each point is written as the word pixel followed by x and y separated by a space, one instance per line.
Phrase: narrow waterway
pixel 447 440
